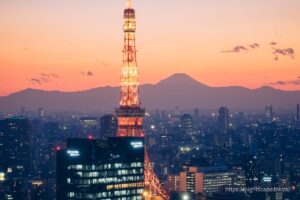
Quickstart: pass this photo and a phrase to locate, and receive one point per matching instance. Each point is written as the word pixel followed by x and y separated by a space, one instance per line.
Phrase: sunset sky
pixel 72 45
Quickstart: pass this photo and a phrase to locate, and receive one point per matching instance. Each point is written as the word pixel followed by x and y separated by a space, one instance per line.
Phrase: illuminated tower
pixel 130 114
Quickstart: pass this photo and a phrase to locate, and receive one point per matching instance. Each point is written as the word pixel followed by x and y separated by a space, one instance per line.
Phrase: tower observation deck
pixel 130 113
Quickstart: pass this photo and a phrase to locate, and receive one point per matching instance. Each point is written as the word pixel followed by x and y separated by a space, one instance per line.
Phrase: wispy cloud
pixel 242 48
pixel 55 75
pixel 35 81
pixel 88 73
pixel 290 52
pixel 236 49
pixel 254 45
pixel 44 78
pixel 290 82
pixel 283 52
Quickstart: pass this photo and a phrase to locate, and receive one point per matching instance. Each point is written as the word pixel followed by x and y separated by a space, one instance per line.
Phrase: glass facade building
pixel 101 169
pixel 15 155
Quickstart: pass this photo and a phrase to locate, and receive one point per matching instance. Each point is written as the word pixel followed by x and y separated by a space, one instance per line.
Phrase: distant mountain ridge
pixel 178 89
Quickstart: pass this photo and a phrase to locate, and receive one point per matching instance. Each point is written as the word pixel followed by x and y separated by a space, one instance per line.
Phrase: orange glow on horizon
pixel 80 43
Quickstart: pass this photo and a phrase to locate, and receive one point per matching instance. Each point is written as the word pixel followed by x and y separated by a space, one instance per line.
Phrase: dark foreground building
pixel 101 169
pixel 14 158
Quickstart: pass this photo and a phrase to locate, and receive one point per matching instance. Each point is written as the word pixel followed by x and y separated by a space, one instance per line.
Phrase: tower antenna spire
pixel 128 3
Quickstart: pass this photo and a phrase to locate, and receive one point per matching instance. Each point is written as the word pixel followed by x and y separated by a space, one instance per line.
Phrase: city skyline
pixel 178 139
pixel 71 46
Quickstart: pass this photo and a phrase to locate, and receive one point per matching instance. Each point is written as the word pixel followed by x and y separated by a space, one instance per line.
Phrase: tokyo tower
pixel 130 114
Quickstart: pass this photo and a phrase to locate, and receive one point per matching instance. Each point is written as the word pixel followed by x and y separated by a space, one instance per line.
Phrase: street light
pixel 185 197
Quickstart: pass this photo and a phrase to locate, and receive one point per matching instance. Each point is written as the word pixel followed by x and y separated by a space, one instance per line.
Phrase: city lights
pixel 73 153
pixel 137 144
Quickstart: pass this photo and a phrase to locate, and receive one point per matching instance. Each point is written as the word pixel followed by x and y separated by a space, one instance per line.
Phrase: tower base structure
pixel 153 188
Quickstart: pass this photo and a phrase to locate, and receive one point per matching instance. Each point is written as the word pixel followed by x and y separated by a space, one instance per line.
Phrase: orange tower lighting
pixel 130 114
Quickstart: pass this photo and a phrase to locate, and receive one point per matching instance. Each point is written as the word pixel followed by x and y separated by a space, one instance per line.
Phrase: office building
pixel 15 157
pixel 108 126
pixel 223 120
pixel 191 180
pixel 89 124
pixel 216 181
pixel 101 169
pixel 269 113
pixel 37 190
pixel 187 124
pixel 207 180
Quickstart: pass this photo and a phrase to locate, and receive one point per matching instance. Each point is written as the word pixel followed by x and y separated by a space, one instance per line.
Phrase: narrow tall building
pixel 269 113
pixel 187 124
pixel 15 157
pixel 298 112
pixel 108 126
pixel 223 120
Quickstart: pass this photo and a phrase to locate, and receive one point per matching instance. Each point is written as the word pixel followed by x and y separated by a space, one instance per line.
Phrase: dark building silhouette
pixel 101 169
pixel 15 157
pixel 223 120
pixel 196 116
pixel 41 112
pixel 108 126
pixel 37 190
pixel 269 113
pixel 298 112
pixel 250 165
pixel 89 125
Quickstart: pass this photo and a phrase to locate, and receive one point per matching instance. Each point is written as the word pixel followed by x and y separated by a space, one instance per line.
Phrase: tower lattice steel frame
pixel 130 114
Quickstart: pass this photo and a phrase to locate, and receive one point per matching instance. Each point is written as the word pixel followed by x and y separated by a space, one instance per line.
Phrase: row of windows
pixel 119 198
pixel 106 166
pixel 96 174
pixel 125 185
pixel 104 180
pixel 109 194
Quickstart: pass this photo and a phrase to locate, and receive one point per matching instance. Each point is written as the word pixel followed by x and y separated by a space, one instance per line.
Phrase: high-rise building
pixel 41 112
pixel 187 124
pixel 223 120
pixel 298 112
pixel 250 164
pixel 37 190
pixel 196 114
pixel 15 156
pixel 269 113
pixel 101 169
pixel 108 126
pixel 177 111
pixel 89 125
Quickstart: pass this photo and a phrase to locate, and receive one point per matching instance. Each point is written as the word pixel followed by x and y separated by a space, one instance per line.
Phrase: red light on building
pixel 90 137
pixel 57 148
